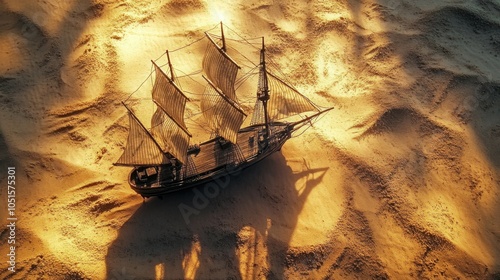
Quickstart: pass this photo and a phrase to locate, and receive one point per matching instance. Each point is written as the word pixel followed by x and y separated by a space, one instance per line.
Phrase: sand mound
pixel 396 120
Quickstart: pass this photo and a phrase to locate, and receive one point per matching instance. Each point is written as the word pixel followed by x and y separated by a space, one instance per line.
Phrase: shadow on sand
pixel 264 199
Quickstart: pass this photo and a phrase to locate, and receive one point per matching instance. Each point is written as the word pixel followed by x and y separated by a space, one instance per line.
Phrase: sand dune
pixel 400 181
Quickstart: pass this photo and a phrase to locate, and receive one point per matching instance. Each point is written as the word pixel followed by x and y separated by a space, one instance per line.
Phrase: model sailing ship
pixel 163 161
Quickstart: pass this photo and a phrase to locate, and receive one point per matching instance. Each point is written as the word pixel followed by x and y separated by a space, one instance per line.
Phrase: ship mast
pixel 264 92
pixel 223 39
pixel 170 66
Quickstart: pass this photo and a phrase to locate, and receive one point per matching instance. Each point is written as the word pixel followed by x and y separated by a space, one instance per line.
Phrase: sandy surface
pixel 401 180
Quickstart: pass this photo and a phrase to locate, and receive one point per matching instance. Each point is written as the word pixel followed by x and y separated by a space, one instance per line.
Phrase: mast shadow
pixel 243 231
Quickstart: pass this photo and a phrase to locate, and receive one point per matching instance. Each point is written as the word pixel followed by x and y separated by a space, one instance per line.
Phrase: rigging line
pixel 242 40
pixel 244 65
pixel 251 71
pixel 208 109
pixel 198 113
pixel 276 67
pixel 188 45
pixel 145 80
pixel 243 56
pixel 244 79
pixel 320 117
pixel 246 40
pixel 246 43
pixel 200 125
pixel 160 56
pixel 240 36
pixel 215 26
pixel 151 70
pixel 289 84
pixel 247 75
pixel 194 42
pixel 175 75
pixel 158 124
pixel 190 75
pixel 315 120
pixel 163 65
pixel 303 130
pixel 321 108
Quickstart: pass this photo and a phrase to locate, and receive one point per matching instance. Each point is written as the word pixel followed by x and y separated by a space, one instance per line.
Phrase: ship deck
pixel 214 154
pixel 217 158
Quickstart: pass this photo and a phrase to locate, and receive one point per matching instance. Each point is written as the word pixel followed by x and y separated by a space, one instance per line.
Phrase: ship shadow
pixel 209 239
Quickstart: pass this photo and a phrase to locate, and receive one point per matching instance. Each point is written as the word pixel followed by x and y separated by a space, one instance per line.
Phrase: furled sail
pixel 284 101
pixel 220 68
pixel 141 148
pixel 171 137
pixel 169 96
pixel 223 115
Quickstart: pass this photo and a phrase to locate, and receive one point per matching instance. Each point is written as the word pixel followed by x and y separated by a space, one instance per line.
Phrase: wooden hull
pixel 215 159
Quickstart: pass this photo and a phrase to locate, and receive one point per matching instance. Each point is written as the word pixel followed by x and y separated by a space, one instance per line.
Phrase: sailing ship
pixel 162 158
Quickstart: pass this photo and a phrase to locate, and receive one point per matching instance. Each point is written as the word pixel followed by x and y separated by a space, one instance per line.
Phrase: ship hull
pixel 216 159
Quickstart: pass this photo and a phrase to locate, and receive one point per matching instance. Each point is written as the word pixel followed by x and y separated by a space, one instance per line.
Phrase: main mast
pixel 264 91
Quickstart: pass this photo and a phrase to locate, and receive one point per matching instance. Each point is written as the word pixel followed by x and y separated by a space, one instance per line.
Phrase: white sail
pixel 171 138
pixel 284 101
pixel 141 148
pixel 167 124
pixel 219 103
pixel 220 68
pixel 169 97
pixel 223 115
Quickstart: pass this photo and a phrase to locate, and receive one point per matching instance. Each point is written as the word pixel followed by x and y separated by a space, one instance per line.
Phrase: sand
pixel 401 180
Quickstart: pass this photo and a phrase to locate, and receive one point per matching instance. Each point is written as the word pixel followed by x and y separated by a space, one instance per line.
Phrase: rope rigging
pixel 251 69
